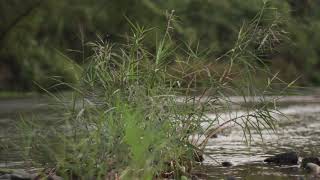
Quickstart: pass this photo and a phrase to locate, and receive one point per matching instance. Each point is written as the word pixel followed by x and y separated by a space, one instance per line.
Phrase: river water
pixel 299 131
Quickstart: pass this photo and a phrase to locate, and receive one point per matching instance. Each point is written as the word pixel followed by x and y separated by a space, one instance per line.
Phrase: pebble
pixel 288 158
pixel 313 168
pixel 226 164
pixel 305 161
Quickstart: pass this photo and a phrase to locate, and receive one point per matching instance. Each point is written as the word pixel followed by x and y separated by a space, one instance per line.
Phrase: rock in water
pixel 226 164
pixel 214 136
pixel 313 168
pixel 314 160
pixel 289 158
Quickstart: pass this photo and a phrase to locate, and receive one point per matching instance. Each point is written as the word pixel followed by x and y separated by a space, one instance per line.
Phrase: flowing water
pixel 299 131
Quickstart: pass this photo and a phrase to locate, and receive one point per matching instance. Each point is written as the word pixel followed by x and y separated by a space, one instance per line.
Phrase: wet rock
pixel 289 158
pixel 226 164
pixel 199 175
pixel 314 160
pixel 313 168
pixel 214 136
pixel 194 177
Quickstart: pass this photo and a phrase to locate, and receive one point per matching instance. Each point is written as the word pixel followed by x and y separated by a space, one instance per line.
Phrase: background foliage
pixel 36 37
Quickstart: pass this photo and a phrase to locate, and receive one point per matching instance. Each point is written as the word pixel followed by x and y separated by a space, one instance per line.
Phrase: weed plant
pixel 137 113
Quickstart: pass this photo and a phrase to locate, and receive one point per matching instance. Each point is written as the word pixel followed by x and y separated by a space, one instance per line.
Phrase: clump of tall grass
pixel 137 112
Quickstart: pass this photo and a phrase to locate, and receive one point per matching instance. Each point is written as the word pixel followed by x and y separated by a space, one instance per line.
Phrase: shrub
pixel 130 118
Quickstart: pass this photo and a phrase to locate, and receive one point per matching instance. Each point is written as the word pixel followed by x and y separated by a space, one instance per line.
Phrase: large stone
pixel 314 160
pixel 313 168
pixel 289 158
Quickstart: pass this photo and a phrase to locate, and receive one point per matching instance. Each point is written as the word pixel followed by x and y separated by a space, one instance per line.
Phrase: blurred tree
pixel 34 32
